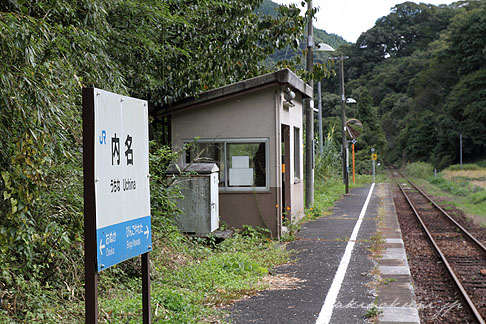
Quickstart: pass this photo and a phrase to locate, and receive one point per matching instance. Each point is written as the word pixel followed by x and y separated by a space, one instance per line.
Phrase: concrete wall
pixel 247 116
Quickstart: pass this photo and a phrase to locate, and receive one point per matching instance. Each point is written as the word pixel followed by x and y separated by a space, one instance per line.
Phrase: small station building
pixel 253 131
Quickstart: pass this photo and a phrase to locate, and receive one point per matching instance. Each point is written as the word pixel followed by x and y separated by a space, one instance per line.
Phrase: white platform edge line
pixel 328 306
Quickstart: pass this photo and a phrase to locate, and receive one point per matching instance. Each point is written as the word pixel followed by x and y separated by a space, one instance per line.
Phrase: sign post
pixel 354 128
pixel 116 188
pixel 374 156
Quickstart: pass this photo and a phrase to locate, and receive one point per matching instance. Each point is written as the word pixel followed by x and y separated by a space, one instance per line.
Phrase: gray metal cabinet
pixel 200 205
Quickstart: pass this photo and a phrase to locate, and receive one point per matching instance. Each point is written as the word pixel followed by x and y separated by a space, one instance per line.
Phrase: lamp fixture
pixel 289 95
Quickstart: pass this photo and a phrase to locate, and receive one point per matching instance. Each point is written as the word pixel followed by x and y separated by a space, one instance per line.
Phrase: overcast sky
pixel 349 18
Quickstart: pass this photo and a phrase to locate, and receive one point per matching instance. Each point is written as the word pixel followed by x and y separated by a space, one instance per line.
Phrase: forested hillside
pixel 320 36
pixel 419 76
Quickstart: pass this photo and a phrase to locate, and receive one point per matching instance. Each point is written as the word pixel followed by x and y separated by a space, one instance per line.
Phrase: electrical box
pixel 200 205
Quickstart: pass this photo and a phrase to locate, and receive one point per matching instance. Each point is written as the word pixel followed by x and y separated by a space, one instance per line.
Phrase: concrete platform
pixel 396 299
pixel 347 266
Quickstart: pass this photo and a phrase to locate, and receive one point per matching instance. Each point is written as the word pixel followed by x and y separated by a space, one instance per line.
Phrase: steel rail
pixel 464 231
pixel 468 299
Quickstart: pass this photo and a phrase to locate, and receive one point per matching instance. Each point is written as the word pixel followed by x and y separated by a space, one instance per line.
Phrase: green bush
pixel 477 197
pixel 362 166
pixel 420 170
pixel 225 270
pixel 481 164
pixel 468 167
pixel 448 186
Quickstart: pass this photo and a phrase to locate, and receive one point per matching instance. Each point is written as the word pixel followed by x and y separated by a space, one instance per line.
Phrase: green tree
pixel 409 27
pixel 467 106
pixel 467 44
pixel 372 136
pixel 417 139
pixel 393 109
pixel 179 52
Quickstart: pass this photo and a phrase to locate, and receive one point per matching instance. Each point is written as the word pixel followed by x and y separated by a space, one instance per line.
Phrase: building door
pixel 286 183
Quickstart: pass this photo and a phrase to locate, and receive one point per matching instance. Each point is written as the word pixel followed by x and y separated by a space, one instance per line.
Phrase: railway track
pixel 462 255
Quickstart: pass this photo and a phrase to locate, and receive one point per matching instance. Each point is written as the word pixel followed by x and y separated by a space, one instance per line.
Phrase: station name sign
pixel 121 178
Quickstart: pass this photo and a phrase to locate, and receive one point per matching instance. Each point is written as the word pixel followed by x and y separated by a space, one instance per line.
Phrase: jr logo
pixel 103 137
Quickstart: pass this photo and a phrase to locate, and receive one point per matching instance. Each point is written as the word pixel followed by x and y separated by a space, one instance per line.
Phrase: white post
pixel 347 160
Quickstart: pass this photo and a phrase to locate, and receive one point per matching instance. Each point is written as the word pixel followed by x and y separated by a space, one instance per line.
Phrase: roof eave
pixel 284 77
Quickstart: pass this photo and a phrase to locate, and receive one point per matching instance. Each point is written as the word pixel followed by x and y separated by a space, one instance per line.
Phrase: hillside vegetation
pixel 419 77
pixel 289 53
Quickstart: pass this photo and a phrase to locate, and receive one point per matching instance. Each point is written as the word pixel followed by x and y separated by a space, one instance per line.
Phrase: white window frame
pixel 225 141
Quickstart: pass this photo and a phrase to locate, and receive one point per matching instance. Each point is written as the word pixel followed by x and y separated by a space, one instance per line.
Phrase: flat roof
pixel 284 76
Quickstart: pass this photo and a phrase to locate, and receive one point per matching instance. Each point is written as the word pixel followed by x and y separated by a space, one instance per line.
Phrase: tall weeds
pixel 328 163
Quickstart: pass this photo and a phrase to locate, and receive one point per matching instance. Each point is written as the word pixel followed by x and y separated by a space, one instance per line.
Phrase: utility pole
pixel 343 126
pixel 343 122
pixel 309 116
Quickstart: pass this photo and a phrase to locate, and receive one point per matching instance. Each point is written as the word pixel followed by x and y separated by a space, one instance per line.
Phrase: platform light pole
pixel 321 47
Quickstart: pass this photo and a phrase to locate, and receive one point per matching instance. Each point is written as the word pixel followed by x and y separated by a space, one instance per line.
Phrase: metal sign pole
pixel 146 288
pixel 90 272
pixel 373 171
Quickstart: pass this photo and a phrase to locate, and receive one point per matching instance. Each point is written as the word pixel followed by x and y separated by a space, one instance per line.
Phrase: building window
pixel 297 152
pixel 207 152
pixel 242 163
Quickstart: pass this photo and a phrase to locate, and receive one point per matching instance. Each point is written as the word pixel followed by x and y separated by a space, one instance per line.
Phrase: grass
pixel 191 279
pixel 387 281
pixel 207 276
pixel 326 193
pixel 329 190
pixel 373 312
pixel 463 188
pixel 473 204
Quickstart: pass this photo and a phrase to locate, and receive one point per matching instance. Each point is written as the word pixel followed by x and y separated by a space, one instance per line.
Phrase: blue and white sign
pixel 122 181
